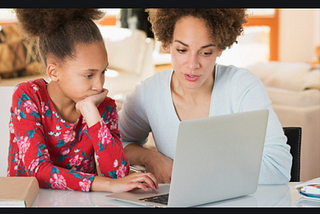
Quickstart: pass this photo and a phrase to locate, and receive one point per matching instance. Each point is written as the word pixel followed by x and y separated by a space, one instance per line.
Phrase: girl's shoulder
pixel 31 86
pixel 108 104
pixel 109 101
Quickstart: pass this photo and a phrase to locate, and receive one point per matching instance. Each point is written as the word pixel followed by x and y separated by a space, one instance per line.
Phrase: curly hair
pixel 59 30
pixel 225 25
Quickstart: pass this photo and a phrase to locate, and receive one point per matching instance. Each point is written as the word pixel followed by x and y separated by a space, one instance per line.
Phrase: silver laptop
pixel 216 158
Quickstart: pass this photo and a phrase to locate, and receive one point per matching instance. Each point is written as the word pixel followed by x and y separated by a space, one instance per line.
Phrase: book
pixel 309 189
pixel 18 191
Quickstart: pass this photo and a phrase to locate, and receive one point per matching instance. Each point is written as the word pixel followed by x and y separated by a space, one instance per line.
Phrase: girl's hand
pixel 135 180
pixel 98 98
pixel 88 107
pixel 92 100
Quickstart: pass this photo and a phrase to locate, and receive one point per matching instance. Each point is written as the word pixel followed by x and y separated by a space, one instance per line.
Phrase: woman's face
pixel 84 75
pixel 193 52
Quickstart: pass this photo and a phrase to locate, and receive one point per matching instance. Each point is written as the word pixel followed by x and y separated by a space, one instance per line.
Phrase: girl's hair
pixel 59 30
pixel 225 25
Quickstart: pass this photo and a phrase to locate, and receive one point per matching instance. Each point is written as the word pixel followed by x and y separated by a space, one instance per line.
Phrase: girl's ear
pixel 53 72
pixel 52 68
pixel 220 52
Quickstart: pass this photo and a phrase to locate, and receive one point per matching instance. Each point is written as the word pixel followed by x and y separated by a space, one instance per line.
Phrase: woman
pixel 197 87
pixel 57 127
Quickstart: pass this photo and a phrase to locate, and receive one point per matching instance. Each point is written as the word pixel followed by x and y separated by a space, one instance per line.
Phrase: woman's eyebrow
pixel 208 46
pixel 181 43
pixel 205 46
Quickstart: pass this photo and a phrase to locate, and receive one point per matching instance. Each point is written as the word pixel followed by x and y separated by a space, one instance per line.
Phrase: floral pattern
pixel 58 153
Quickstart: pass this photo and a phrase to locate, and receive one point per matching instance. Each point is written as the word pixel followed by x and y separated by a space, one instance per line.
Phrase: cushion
pixel 120 83
pixel 293 76
pixel 124 45
pixel 294 98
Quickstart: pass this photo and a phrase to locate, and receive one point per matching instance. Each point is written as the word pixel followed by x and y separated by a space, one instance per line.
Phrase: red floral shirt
pixel 58 153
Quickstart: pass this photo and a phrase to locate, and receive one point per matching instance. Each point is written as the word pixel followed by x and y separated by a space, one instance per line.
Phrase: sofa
pixel 294 89
pixel 130 59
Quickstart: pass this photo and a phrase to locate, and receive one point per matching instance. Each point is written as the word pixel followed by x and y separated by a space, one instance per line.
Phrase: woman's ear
pixel 168 48
pixel 220 52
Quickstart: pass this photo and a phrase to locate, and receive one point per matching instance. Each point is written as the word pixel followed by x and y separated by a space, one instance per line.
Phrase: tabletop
pixel 266 196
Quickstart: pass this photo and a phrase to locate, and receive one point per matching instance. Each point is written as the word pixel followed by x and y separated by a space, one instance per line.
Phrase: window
pixel 259 42
pixel 112 17
pixel 269 18
pixel 7 16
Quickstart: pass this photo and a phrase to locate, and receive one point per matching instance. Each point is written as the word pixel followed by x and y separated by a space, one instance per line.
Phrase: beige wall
pixel 299 32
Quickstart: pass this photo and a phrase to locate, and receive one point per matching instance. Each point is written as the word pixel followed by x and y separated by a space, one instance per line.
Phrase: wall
pixel 299 31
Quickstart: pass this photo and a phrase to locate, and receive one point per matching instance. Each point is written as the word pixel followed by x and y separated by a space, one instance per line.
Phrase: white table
pixel 266 196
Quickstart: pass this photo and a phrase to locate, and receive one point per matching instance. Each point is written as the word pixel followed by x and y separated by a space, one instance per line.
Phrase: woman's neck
pixel 192 95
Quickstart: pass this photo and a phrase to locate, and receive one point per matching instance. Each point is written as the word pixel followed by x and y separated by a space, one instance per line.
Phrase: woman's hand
pixel 155 162
pixel 138 180
pixel 161 166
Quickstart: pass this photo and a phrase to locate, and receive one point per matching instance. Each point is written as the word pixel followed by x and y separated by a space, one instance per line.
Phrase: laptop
pixel 216 158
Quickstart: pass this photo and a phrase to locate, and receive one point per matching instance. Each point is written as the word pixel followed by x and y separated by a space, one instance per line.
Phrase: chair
pixel 6 97
pixel 294 140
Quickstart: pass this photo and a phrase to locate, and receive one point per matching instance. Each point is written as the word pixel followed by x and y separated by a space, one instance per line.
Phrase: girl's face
pixel 193 52
pixel 84 75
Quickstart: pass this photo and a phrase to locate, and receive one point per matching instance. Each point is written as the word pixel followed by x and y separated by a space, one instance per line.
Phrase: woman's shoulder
pixel 157 82
pixel 144 94
pixel 231 69
pixel 160 77
pixel 231 73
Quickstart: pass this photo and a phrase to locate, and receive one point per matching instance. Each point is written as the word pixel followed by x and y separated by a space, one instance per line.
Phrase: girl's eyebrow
pixel 205 46
pixel 93 69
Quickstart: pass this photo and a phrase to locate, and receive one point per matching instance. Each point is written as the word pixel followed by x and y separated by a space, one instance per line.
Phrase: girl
pixel 57 127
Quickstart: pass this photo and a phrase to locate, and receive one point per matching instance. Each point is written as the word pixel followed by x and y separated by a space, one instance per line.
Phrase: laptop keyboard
pixel 160 199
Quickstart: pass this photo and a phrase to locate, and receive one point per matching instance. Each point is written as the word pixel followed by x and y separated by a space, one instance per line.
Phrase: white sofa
pixel 294 89
pixel 130 59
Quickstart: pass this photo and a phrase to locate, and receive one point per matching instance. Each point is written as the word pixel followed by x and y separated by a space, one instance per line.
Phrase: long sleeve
pixel 250 94
pixel 58 153
pixel 107 144
pixel 28 152
pixel 133 122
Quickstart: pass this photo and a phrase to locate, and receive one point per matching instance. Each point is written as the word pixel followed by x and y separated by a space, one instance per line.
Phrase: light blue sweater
pixel 150 108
